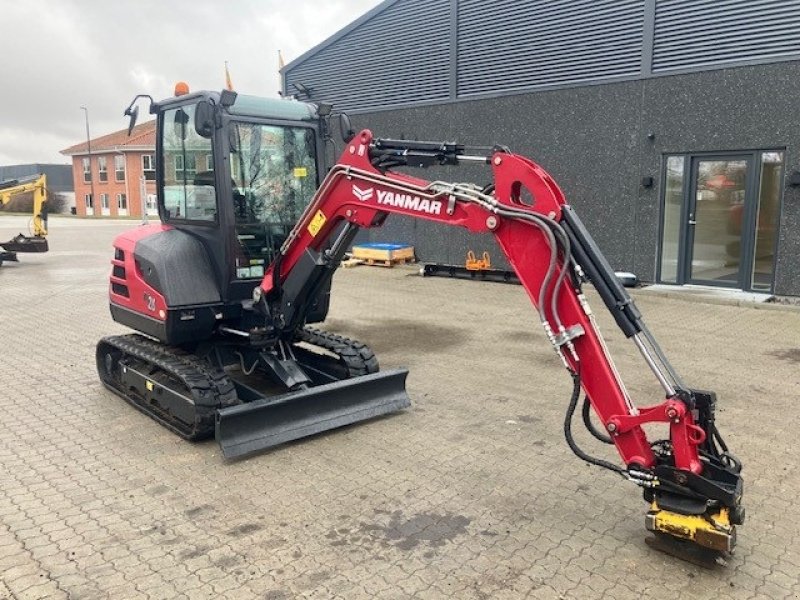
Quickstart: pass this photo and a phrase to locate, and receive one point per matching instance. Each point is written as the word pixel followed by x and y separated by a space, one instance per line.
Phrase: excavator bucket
pixel 261 424
pixel 24 243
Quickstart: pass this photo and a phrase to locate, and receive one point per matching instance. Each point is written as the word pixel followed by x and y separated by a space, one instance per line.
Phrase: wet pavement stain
pixel 429 530
pixel 198 510
pixel 791 355
pixel 527 419
pixel 245 529
pixel 226 562
pixel 195 553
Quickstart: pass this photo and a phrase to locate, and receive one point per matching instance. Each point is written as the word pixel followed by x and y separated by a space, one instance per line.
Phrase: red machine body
pixel 211 322
pixel 127 287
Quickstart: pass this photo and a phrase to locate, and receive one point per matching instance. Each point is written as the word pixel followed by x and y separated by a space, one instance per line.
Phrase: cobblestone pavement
pixel 470 494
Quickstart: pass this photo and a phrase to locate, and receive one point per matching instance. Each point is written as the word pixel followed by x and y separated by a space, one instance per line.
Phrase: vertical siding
pixel 507 45
pixel 401 55
pixel 698 33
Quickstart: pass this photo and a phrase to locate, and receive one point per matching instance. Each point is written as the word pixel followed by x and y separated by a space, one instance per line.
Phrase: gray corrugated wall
pixel 398 56
pixel 698 33
pixel 403 56
pixel 506 45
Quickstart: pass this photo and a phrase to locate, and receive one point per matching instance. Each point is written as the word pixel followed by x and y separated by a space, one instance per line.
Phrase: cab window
pixel 189 192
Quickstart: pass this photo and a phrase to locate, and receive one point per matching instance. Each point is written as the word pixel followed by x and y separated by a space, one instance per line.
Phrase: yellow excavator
pixel 26 243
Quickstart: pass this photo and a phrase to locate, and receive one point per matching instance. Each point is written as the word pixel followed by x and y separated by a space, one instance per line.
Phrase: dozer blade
pixel 23 243
pixel 262 424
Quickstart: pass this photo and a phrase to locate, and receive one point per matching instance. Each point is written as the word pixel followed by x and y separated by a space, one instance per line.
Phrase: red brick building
pixel 118 178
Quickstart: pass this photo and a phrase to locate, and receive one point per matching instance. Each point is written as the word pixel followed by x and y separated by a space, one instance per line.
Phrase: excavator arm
pixel 691 481
pixel 22 242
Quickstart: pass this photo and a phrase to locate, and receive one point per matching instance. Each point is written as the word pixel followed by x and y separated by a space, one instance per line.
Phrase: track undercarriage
pixel 251 399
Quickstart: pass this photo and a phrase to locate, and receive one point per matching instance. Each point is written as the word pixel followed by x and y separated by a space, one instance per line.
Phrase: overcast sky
pixel 56 55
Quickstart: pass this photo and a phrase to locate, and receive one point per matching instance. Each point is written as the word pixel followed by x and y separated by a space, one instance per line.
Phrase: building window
pixel 148 167
pixel 187 170
pixel 209 162
pixel 87 170
pixel 102 169
pixel 119 167
pixel 104 200
pixel 122 202
pixel 87 198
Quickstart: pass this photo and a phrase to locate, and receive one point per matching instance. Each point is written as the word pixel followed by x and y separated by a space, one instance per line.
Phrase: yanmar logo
pixel 432 207
pixel 407 201
pixel 362 195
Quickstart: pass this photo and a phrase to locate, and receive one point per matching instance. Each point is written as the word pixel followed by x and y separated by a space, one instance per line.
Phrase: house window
pixel 148 167
pixel 104 200
pixel 102 169
pixel 209 162
pixel 87 198
pixel 122 202
pixel 119 167
pixel 187 170
pixel 87 170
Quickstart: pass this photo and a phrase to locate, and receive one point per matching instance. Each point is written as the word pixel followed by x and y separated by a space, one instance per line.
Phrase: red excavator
pixel 253 225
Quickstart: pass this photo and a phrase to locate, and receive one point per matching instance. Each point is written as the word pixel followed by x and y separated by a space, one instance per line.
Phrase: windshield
pixel 274 176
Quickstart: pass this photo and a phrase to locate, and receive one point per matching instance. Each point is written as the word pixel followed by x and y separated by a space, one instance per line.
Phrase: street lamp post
pixel 89 144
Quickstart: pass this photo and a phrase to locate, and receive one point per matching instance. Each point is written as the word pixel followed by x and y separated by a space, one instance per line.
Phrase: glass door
pixel 719 218
pixel 717 209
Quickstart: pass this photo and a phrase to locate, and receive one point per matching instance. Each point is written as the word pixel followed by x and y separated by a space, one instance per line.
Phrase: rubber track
pixel 208 386
pixel 357 357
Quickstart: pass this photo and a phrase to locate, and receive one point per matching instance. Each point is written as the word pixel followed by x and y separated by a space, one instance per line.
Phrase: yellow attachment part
pixel 478 264
pixel 710 531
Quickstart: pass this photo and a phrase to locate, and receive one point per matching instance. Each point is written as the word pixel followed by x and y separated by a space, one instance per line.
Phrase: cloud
pixel 60 55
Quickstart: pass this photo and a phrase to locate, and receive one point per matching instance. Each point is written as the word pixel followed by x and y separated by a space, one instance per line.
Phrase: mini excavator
pixel 226 289
pixel 26 243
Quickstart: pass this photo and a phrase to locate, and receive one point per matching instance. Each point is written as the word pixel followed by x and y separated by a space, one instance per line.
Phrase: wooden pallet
pixel 372 262
pixel 350 262
pixel 380 255
pixel 383 252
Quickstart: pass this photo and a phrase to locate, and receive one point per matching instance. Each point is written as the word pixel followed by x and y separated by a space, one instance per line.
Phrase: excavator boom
pixel 691 482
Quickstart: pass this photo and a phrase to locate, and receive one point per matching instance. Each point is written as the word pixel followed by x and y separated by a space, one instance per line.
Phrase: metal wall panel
pixel 508 45
pixel 698 33
pixel 400 56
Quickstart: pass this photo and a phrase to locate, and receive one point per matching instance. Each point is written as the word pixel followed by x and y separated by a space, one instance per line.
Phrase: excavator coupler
pixel 263 423
pixel 24 243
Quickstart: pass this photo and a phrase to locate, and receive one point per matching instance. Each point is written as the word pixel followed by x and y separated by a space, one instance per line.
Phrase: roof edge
pixel 335 37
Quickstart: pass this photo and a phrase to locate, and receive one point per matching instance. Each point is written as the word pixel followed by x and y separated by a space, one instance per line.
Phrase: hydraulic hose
pixel 596 433
pixel 573 403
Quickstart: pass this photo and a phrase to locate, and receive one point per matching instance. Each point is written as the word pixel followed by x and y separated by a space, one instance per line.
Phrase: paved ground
pixel 471 494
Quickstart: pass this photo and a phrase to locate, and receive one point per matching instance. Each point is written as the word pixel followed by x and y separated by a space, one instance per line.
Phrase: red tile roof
pixel 142 136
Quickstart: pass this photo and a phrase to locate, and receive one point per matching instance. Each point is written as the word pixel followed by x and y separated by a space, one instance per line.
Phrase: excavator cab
pixel 237 177
pixel 234 174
